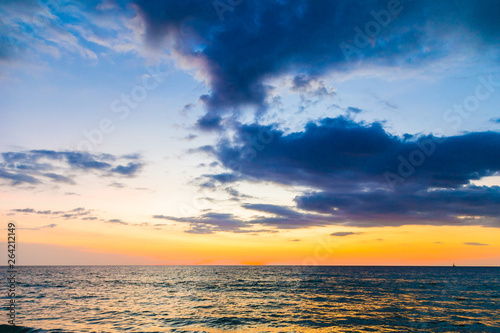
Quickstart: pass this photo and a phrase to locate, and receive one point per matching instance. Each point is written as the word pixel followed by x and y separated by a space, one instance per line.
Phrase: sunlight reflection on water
pixel 258 299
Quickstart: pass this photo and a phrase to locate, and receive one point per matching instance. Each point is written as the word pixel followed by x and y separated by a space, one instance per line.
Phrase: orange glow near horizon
pixel 406 245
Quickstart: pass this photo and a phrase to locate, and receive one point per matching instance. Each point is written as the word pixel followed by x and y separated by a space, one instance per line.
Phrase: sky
pixel 264 132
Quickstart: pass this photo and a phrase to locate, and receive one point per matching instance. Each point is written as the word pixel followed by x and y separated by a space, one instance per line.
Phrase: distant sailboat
pixel 454 265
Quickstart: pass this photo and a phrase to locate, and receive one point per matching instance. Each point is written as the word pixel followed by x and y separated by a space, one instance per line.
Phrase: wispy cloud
pixel 127 170
pixel 210 223
pixel 36 167
pixel 49 226
pixel 81 214
pixel 76 213
pixel 117 221
pixel 36 30
pixel 345 233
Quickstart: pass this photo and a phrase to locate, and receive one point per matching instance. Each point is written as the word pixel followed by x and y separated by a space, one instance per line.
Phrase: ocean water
pixel 256 299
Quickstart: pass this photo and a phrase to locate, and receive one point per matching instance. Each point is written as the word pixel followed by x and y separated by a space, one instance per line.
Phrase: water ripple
pixel 216 299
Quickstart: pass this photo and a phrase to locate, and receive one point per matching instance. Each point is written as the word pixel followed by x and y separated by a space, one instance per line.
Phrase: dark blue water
pixel 257 299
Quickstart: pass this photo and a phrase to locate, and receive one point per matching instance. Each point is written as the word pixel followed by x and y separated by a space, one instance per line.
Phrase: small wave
pixel 19 329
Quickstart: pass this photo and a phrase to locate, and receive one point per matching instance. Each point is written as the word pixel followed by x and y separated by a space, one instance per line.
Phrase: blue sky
pixel 253 116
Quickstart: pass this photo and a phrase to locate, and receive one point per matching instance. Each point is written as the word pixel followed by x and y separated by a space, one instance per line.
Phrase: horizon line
pixel 247 265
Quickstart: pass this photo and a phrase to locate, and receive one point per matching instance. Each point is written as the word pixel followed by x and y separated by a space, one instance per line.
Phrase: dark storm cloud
pixel 349 166
pixel 210 122
pixel 338 153
pixel 31 167
pixel 440 205
pixel 359 211
pixel 261 39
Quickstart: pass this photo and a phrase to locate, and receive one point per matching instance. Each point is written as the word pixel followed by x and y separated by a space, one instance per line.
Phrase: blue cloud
pixel 32 25
pixel 262 39
pixel 354 110
pixel 18 178
pixel 59 178
pixel 274 209
pixel 350 166
pixel 129 170
pixel 31 167
pixel 338 152
pixel 210 223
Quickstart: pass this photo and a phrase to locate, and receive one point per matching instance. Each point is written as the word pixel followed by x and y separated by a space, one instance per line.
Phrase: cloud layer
pixel 361 175
pixel 81 214
pixel 32 29
pixel 357 174
pixel 37 167
pixel 239 47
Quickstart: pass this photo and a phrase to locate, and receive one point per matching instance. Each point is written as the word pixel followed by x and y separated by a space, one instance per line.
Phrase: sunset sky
pixel 251 132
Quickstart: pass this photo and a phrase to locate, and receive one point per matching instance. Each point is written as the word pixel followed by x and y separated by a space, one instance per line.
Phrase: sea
pixel 217 299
